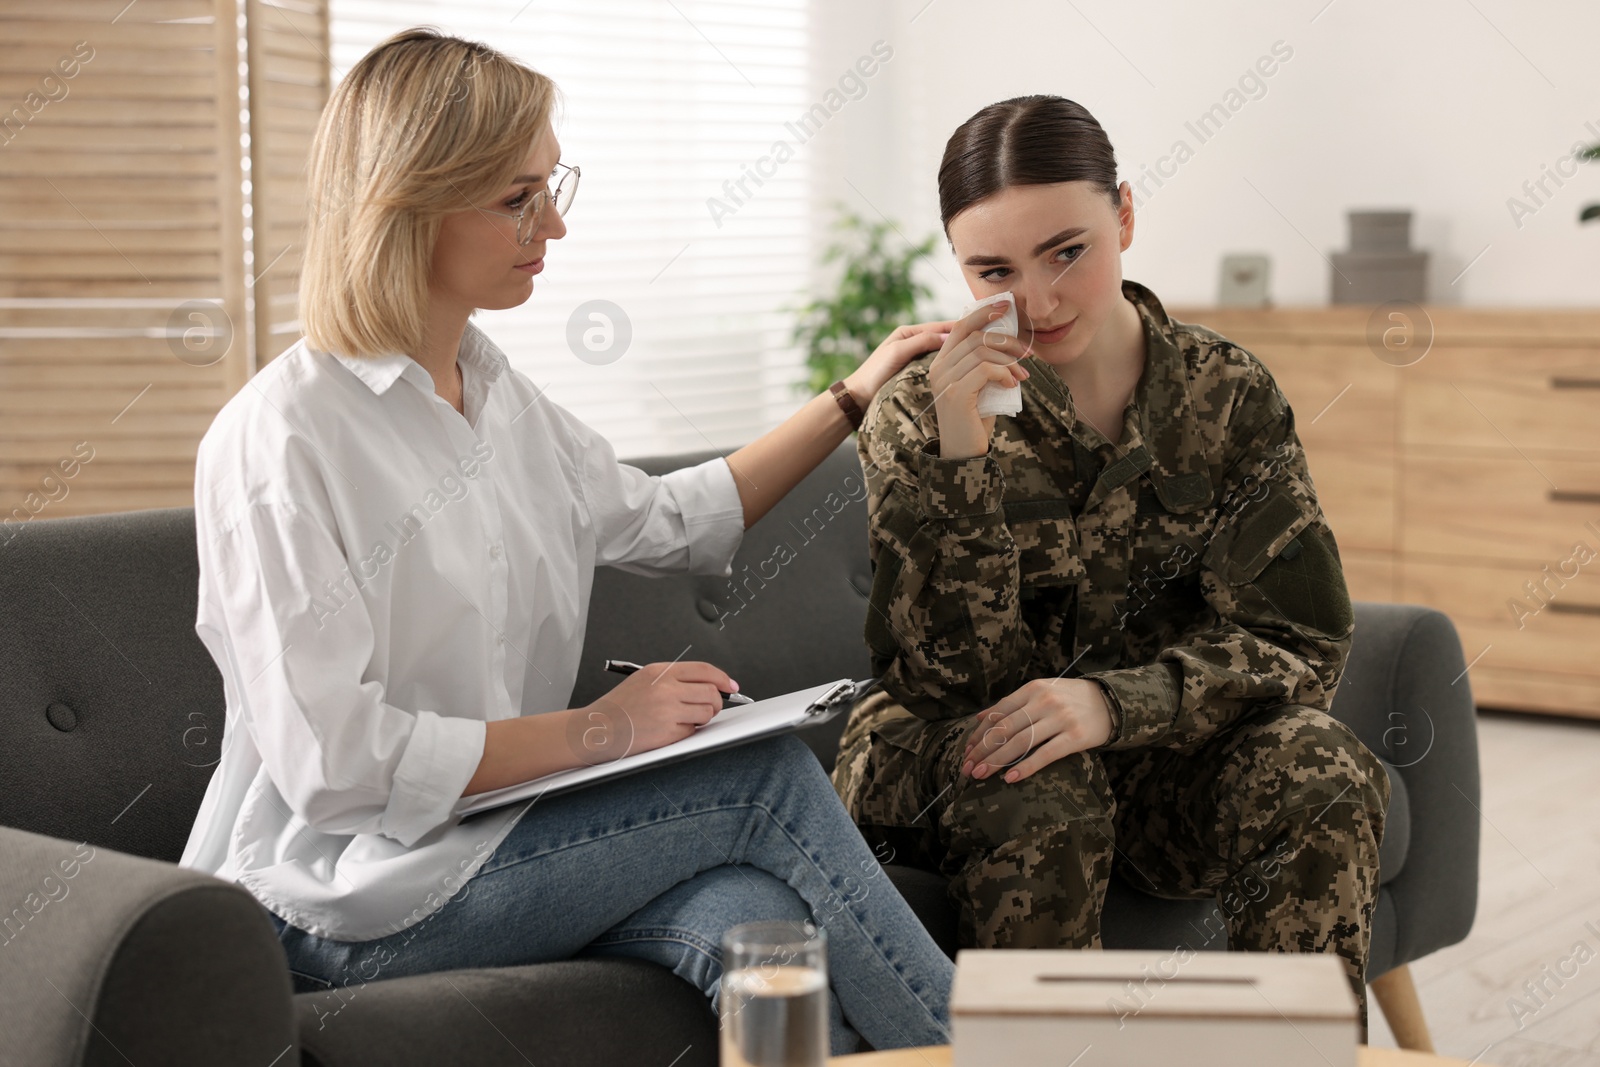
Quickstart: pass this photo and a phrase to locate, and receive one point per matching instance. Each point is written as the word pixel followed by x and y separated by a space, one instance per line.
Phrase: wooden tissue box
pixel 1032 1007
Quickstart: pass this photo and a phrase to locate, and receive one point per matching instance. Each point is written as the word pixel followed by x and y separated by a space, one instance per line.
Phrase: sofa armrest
pixel 111 958
pixel 1406 694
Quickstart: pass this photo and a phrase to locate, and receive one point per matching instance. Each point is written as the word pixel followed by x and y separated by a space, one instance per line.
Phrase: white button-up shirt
pixel 380 577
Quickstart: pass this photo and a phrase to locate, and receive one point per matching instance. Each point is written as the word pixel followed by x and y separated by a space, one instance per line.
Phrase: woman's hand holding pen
pixel 653 706
pixel 1046 719
pixel 972 357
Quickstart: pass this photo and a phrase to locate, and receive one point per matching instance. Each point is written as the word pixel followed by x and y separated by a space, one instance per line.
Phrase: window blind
pixel 664 101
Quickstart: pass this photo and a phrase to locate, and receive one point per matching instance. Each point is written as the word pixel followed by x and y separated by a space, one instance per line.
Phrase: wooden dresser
pixel 1467 479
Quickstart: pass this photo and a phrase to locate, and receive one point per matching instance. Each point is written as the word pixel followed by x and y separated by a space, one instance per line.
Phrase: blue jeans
pixel 657 865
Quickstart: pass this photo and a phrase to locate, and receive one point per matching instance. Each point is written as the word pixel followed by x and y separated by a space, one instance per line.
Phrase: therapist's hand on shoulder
pixel 655 705
pixel 902 346
pixel 1044 720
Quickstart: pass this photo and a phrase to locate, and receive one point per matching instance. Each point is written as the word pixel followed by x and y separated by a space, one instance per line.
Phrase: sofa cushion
pixel 111 708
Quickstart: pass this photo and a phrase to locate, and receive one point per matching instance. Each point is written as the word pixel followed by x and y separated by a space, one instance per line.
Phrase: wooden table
pixel 939 1056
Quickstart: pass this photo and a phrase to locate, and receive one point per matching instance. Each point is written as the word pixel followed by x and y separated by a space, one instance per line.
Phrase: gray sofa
pixel 112 710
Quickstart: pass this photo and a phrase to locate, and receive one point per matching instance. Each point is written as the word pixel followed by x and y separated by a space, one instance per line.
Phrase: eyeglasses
pixel 528 217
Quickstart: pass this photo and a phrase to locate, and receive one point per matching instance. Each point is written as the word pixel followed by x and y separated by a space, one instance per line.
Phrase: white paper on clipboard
pixel 731 726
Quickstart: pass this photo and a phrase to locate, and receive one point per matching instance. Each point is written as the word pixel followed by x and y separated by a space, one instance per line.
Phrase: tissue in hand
pixel 998 399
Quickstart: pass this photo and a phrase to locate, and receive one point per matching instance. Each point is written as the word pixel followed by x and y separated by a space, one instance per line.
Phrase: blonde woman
pixel 397 535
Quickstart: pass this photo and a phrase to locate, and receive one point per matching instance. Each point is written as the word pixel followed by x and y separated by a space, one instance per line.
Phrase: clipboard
pixel 734 725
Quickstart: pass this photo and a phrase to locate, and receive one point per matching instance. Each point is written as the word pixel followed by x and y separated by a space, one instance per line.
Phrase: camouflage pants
pixel 1278 818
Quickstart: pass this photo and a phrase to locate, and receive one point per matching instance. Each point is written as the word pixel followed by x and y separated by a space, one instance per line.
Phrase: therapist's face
pixel 1059 249
pixel 476 259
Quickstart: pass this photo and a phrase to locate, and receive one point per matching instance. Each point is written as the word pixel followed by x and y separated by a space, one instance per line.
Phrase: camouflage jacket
pixel 1188 569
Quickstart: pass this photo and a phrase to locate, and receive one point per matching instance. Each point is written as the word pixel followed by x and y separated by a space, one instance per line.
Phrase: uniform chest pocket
pixel 1046 537
pixel 1168 544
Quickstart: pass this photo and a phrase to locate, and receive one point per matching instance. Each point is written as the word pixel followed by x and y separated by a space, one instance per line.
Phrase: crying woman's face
pixel 1058 248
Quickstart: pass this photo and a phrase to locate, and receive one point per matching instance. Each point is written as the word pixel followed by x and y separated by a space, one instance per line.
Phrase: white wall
pixel 1443 107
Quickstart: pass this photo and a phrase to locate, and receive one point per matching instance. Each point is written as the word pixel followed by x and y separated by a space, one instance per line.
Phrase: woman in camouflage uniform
pixel 1110 626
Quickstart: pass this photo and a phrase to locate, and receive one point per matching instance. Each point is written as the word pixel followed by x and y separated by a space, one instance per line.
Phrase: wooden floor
pixel 1538 915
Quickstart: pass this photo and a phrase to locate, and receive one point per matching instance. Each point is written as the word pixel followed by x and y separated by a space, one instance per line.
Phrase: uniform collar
pixel 1164 436
pixel 1168 417
pixel 380 372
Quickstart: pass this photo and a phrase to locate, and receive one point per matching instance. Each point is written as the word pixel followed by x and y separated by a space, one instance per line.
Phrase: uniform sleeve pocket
pixel 1279 547
pixel 1258 532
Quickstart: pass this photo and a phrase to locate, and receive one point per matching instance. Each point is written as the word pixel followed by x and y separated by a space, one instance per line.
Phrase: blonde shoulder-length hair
pixel 423 125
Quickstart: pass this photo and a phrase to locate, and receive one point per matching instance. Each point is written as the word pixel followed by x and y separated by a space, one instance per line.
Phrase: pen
pixel 622 666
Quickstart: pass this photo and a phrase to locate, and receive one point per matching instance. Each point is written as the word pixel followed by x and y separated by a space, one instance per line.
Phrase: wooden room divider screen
pixel 149 254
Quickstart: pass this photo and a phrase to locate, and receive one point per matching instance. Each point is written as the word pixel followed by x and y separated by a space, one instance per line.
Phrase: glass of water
pixel 775 995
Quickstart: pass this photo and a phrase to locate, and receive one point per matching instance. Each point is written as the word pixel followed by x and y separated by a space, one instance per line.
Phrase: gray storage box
pixel 1380 265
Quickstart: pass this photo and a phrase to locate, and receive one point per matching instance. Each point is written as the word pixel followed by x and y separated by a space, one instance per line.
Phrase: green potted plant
pixel 875 293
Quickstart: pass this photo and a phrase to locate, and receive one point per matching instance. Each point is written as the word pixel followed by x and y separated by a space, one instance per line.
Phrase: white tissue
pixel 998 399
